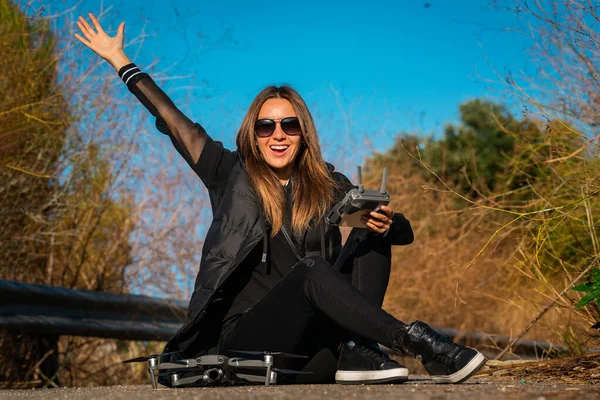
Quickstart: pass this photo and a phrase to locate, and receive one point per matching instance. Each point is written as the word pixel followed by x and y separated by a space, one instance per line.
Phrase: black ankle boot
pixel 367 364
pixel 444 360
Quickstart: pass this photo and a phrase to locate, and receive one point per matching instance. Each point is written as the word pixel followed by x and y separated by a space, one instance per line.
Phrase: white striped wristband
pixel 129 71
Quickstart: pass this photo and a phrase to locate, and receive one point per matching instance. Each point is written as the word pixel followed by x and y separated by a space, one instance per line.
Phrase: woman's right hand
pixel 109 48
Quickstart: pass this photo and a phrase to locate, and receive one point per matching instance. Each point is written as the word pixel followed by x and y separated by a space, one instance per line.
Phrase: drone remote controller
pixel 359 202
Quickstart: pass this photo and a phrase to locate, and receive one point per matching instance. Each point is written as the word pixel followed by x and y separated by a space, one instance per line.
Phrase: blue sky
pixel 366 69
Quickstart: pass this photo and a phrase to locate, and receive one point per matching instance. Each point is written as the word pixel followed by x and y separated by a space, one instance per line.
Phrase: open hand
pixel 379 221
pixel 109 48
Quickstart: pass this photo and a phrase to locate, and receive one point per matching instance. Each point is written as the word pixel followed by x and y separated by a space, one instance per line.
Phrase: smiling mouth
pixel 279 149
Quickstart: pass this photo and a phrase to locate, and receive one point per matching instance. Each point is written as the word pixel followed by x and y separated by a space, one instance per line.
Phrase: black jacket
pixel 238 224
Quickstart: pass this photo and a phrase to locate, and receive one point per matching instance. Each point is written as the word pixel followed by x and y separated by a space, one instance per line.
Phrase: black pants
pixel 317 306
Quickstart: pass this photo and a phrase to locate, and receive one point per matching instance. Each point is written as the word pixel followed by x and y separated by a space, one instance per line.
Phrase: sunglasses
pixel 265 127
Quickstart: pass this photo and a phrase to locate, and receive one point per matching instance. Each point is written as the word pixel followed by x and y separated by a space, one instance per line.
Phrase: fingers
pixel 379 221
pixel 96 23
pixel 84 41
pixel 381 217
pixel 85 32
pixel 85 27
pixel 373 227
pixel 121 29
pixel 376 223
pixel 388 211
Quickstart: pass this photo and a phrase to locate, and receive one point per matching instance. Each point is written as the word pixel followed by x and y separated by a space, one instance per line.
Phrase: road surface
pixel 417 388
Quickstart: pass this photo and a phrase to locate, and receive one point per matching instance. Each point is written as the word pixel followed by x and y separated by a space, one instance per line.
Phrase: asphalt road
pixel 415 389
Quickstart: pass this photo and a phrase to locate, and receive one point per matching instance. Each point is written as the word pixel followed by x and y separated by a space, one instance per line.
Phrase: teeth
pixel 279 147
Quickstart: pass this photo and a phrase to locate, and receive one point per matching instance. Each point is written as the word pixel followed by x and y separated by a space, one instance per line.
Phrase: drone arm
pixel 181 364
pixel 248 363
pixel 188 380
pixel 258 378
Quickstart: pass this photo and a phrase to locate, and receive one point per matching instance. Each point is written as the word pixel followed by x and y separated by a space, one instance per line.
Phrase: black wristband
pixel 129 71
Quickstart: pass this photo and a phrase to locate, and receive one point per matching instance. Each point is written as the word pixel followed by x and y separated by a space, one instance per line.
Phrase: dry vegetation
pixel 491 257
pixel 86 201
pixel 445 278
pixel 580 370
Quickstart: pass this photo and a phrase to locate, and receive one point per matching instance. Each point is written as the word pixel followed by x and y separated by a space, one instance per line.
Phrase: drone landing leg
pixel 152 362
pixel 268 359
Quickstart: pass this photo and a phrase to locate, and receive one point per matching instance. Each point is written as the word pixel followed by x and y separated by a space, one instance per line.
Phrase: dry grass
pixel 88 202
pixel 467 267
pixel 98 362
pixel 580 370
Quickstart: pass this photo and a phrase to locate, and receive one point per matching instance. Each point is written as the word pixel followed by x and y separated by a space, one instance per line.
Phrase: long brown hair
pixel 312 183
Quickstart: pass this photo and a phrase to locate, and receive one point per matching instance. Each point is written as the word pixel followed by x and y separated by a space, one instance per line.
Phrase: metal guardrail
pixel 48 310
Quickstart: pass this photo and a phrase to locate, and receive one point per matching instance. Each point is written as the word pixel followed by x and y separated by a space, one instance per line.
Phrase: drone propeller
pixel 268 353
pixel 291 371
pixel 146 358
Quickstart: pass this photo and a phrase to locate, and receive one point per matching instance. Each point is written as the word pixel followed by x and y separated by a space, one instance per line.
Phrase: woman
pixel 273 274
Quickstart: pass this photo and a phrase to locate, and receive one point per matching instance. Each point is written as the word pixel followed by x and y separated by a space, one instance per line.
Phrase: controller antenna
pixel 361 188
pixel 383 182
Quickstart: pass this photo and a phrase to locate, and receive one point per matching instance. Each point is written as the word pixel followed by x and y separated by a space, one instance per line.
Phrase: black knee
pixel 317 275
pixel 314 267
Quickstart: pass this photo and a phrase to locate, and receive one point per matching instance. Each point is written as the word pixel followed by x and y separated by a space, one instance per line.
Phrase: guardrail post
pixel 28 360
pixel 48 368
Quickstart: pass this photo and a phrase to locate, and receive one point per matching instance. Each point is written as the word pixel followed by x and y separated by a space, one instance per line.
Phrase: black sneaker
pixel 444 360
pixel 364 365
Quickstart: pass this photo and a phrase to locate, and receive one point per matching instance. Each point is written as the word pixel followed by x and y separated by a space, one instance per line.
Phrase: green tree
pixel 472 154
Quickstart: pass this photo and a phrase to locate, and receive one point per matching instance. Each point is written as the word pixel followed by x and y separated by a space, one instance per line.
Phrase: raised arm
pixel 189 138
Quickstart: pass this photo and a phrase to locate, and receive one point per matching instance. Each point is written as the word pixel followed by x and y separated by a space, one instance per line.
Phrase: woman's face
pixel 279 150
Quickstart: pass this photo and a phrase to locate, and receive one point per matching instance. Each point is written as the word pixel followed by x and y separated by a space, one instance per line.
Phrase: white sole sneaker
pixel 463 374
pixel 397 375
